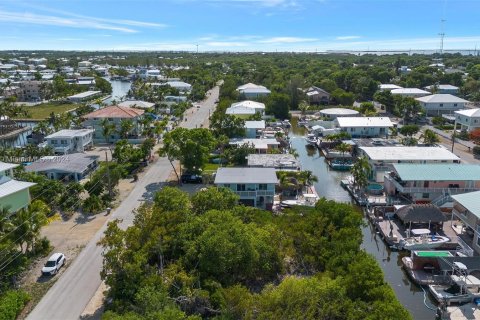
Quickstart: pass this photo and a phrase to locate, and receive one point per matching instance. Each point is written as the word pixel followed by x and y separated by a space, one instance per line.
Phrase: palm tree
pixel 430 137
pixel 107 129
pixel 343 148
pixel 5 221
pixel 126 126
pixel 361 171
pixel 303 107
pixel 307 178
pixel 28 222
pixel 43 127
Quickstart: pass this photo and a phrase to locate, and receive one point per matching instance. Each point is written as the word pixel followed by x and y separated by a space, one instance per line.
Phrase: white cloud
pixel 280 40
pixel 347 37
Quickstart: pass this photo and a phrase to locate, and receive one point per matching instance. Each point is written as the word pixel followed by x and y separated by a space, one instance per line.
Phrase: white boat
pixel 311 140
pixel 422 240
pixel 309 200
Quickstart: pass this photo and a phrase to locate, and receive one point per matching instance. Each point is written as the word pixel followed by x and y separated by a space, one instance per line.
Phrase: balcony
pixel 405 189
pixel 255 193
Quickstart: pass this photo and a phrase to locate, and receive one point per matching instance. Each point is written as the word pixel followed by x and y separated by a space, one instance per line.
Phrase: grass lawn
pixel 211 167
pixel 42 111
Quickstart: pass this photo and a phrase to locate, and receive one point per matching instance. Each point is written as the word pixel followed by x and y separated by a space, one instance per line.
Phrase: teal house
pixel 14 194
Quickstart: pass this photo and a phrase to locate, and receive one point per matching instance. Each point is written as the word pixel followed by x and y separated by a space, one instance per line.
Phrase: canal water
pixel 328 186
pixel 119 90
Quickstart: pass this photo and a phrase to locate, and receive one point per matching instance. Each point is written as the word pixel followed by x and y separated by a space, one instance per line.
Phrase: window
pixel 262 186
pixel 454 104
pixel 425 195
pixel 226 185
pixel 54 141
pixel 240 187
pixel 441 104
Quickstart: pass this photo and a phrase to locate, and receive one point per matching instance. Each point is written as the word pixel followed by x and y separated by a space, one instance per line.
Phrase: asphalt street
pixel 68 297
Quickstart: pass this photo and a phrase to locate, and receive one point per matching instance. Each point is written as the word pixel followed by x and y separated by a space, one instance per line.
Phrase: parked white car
pixel 54 263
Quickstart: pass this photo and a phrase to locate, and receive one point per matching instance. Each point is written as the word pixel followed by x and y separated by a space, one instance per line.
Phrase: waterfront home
pixel 70 140
pixel 388 87
pixel 382 158
pixel 410 92
pixel 260 145
pixel 364 126
pixel 115 115
pixel 253 129
pixel 181 86
pixel 246 109
pixel 429 182
pixel 443 89
pixel 253 91
pixel 316 95
pixel 84 96
pixel 282 161
pixel 72 167
pixel 14 194
pixel 334 113
pixel 468 119
pixel 438 104
pixel 466 207
pixel 136 104
pixel 254 186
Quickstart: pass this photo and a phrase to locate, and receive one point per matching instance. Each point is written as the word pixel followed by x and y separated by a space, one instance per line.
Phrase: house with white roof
pixel 382 158
pixel 424 182
pixel 442 88
pixel 72 167
pixel 410 92
pixel 14 194
pixel 70 140
pixel 253 91
pixel 438 104
pixel 246 109
pixel 85 96
pixel 136 104
pixel 254 186
pixel 466 207
pixel 260 145
pixel 180 86
pixel 278 161
pixel 364 126
pixel 468 119
pixel 388 87
pixel 253 129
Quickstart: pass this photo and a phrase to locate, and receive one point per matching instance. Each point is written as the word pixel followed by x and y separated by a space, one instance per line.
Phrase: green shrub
pixel 12 303
pixel 93 204
pixel 476 150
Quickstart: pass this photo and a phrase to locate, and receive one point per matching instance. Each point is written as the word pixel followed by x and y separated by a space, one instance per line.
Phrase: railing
pixel 255 193
pixel 404 189
pixel 465 247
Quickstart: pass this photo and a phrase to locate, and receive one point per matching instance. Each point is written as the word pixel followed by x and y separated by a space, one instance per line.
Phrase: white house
pixel 364 126
pixel 333 113
pixel 14 194
pixel 180 86
pixel 466 207
pixel 468 119
pixel 85 96
pixel 253 91
pixel 382 158
pixel 438 104
pixel 136 104
pixel 442 88
pixel 260 145
pixel 245 109
pixel 70 141
pixel 410 92
pixel 388 87
pixel 253 129
pixel 254 186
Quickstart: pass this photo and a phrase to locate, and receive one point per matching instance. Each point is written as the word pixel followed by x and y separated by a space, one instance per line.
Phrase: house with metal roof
pixel 410 92
pixel 72 167
pixel 260 145
pixel 253 129
pixel 364 126
pixel 438 104
pixel 382 158
pixel 388 87
pixel 468 119
pixel 254 186
pixel 281 161
pixel 246 109
pixel 442 88
pixel 85 96
pixel 428 182
pixel 70 140
pixel 466 207
pixel 136 104
pixel 115 115
pixel 253 91
pixel 14 194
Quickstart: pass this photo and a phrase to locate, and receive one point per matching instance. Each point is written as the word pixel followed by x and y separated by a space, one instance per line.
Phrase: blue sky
pixel 238 25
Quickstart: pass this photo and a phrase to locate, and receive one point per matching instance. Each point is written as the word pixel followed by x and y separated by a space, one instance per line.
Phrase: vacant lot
pixel 43 111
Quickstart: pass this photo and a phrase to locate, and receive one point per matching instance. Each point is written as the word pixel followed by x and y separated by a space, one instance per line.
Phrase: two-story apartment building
pixel 114 115
pixel 14 194
pixel 427 182
pixel 438 104
pixel 364 126
pixel 254 186
pixel 382 158
pixel 466 207
pixel 70 140
pixel 468 119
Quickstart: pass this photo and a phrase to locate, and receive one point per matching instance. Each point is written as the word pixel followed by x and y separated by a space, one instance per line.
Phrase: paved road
pixel 71 293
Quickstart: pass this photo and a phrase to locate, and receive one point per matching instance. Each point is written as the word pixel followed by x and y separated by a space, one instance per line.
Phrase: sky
pixel 238 25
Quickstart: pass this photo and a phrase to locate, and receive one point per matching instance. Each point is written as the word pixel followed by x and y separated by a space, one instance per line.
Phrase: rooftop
pixel 115 112
pixel 85 94
pixel 469 112
pixel 469 201
pixel 272 160
pixel 4 166
pixel 69 133
pixel 409 154
pixel 75 163
pixel 248 104
pixel 250 86
pixel 255 124
pixel 364 122
pixel 240 110
pixel 442 87
pixel 339 111
pixel 12 186
pixel 245 175
pixel 388 86
pixel 136 103
pixel 441 98
pixel 437 172
pixel 257 143
pixel 409 91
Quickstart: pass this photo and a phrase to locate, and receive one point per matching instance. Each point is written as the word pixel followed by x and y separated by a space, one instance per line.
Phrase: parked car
pixel 53 264
pixel 191 178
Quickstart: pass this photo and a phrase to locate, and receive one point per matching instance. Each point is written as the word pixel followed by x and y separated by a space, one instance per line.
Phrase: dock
pixel 362 199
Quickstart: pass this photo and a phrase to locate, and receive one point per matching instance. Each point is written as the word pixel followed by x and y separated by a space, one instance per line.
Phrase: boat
pixel 311 140
pixel 422 240
pixel 308 199
pixel 423 266
pixel 340 164
pixel 302 123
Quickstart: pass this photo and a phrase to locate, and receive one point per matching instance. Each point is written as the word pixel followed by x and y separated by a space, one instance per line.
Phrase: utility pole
pixel 442 36
pixel 108 176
